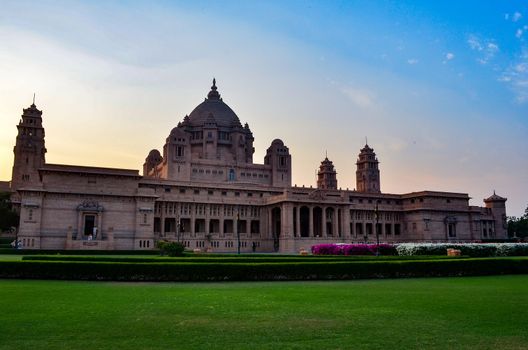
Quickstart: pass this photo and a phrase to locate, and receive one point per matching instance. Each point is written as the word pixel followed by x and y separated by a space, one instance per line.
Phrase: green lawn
pixel 434 313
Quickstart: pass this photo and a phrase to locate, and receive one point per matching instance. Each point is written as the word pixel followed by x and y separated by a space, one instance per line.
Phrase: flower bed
pixel 353 249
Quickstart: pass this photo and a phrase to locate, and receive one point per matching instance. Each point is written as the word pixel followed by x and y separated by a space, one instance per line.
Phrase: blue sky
pixel 440 88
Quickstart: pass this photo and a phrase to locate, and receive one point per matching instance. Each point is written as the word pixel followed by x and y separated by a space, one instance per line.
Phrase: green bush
pixel 171 248
pixel 77 252
pixel 86 270
pixel 512 249
pixel 227 258
pixel 469 249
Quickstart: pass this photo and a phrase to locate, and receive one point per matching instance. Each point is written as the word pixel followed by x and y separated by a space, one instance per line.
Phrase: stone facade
pixel 204 190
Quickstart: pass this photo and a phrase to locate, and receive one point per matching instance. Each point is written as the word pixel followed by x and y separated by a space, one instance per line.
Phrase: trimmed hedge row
pixel 227 259
pixel 6 240
pixel 260 271
pixel 353 249
pixel 78 252
pixel 469 249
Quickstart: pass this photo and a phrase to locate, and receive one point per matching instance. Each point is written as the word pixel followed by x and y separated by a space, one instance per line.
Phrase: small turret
pixel 367 173
pixel 326 177
pixel 29 150
pixel 497 205
pixel 279 158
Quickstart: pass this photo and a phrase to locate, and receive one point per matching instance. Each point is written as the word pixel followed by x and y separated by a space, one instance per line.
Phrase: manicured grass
pixel 432 313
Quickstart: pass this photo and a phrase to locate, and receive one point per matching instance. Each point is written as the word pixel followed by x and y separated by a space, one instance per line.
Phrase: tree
pixel 8 217
pixel 518 227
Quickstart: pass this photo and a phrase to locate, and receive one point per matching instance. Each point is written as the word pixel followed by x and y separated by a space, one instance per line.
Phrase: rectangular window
pixel 255 226
pixel 451 229
pixel 180 151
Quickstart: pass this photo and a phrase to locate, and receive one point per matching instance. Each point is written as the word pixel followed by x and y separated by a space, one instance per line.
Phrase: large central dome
pixel 213 105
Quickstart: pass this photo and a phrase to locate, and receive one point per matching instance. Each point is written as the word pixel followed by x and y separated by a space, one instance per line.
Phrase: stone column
pixel 287 221
pixel 162 219
pixel 298 222
pixel 364 231
pixel 323 224
pixel 100 225
pixel 207 219
pixel 193 217
pixel 79 225
pixel 270 223
pixel 310 221
pixel 345 216
pixel 337 233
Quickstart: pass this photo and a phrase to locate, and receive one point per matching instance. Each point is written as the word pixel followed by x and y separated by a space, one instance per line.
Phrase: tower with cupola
pixel 30 150
pixel 367 173
pixel 326 176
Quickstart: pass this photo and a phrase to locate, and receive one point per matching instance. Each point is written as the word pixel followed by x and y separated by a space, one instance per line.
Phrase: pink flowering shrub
pixel 352 249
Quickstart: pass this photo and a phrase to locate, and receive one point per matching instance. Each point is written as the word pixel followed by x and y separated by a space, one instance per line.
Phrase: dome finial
pixel 213 94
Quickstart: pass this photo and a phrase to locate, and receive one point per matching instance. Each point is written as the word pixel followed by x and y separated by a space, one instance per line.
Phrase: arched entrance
pixel 318 222
pixel 329 222
pixel 304 219
pixel 276 227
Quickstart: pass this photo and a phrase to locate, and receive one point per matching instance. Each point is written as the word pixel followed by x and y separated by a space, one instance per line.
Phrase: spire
pixel 33 105
pixel 213 94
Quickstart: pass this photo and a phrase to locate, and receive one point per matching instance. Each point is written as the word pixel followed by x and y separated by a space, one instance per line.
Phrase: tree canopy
pixel 8 217
pixel 518 227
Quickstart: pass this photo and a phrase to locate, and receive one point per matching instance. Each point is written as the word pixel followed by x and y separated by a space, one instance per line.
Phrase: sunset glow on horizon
pixel 440 90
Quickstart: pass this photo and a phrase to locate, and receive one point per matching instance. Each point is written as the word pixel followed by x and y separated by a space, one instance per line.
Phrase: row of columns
pixel 207 222
pixel 192 218
pixel 342 223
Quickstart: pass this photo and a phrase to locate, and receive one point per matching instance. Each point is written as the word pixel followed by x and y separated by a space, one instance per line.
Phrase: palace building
pixel 203 188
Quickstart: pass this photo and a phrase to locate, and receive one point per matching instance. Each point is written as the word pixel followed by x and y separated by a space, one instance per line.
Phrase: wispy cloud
pixel 516 77
pixel 360 97
pixel 448 57
pixel 514 17
pixel 412 60
pixel 520 31
pixel 487 48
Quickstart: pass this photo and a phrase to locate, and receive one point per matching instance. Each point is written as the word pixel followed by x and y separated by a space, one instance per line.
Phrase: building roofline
pixel 79 169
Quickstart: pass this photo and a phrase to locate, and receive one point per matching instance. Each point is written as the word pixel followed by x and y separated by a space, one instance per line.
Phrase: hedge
pixel 469 249
pixel 260 271
pixel 353 249
pixel 78 252
pixel 227 259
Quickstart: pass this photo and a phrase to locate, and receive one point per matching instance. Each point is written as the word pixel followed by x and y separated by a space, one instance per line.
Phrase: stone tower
pixel 29 149
pixel 367 173
pixel 279 158
pixel 497 205
pixel 326 176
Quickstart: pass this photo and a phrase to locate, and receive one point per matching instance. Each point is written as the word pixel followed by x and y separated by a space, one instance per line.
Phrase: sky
pixel 439 88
